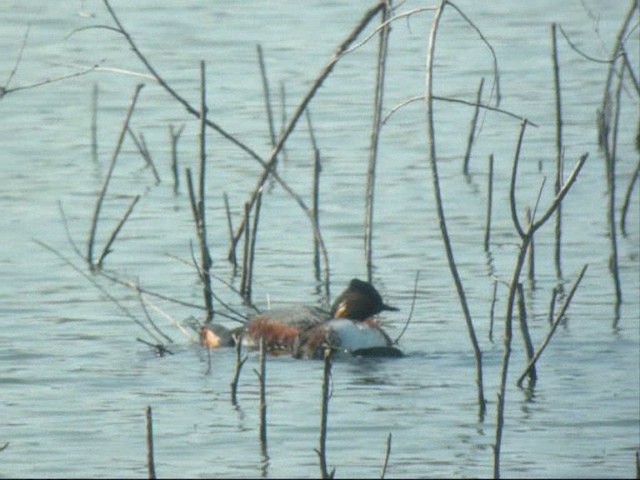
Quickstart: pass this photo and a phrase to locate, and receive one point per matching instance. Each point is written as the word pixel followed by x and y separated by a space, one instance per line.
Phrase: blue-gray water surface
pixel 75 382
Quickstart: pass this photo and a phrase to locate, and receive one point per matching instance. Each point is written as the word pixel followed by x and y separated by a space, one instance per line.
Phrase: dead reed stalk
pixel 240 361
pixel 175 136
pixel 428 96
pixel 387 453
pixel 103 192
pixel 317 83
pixel 375 136
pixel 525 240
pixel 198 206
pixel 487 230
pixel 262 407
pixel 324 414
pixel 524 329
pixel 534 358
pixel 559 149
pixel 267 96
pixel 472 128
pixel 94 123
pixel 114 234
pixel 151 467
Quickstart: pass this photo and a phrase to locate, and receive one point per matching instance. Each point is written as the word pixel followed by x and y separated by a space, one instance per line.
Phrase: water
pixel 75 382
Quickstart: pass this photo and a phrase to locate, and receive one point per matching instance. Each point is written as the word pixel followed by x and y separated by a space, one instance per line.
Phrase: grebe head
pixel 359 302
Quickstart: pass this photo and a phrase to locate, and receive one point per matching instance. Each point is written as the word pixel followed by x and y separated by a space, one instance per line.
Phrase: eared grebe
pixel 350 326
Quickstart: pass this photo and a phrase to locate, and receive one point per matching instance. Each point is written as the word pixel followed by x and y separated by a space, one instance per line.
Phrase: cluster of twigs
pixel 620 70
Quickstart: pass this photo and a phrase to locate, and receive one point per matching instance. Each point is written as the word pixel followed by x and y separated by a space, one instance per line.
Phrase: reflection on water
pixel 75 382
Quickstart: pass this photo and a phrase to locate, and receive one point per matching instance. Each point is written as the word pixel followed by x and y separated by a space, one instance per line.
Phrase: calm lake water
pixel 75 383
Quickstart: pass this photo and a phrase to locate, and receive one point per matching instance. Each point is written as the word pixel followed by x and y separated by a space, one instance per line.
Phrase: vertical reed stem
pixel 524 329
pixel 487 230
pixel 151 467
pixel 375 137
pixel 240 361
pixel 315 196
pixel 94 123
pixel 247 248
pixel 493 310
pixel 205 256
pixel 263 396
pixel 175 135
pixel 531 251
pixel 440 209
pixel 103 192
pixel 267 96
pixel 322 450
pixel 227 209
pixel 559 149
pixel 472 128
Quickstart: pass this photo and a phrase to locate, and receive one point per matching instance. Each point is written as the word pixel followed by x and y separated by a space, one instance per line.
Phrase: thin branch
pixel 512 190
pixel 386 457
pixel 554 326
pixel 420 98
pixel 375 140
pixel 413 304
pixel 440 209
pixel 116 152
pixel 107 248
pixel 151 467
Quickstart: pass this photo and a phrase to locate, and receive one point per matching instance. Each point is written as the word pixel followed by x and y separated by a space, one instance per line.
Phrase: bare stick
pixel 531 249
pixel 315 194
pixel 13 71
pixel 151 467
pixel 160 349
pixel 552 304
pixel 263 401
pixel 150 320
pixel 4 91
pixel 525 239
pixel 147 157
pixel 267 96
pixel 227 209
pixel 386 457
pixel 240 361
pixel 245 258
pixel 326 381
pixel 413 304
pixel 328 68
pixel 4 446
pixel 472 128
pixel 190 109
pixel 252 247
pixel 627 200
pixel 175 136
pixel 94 123
pixel 116 152
pixel 496 85
pixel 283 115
pixel 107 248
pixel 420 98
pixel 524 329
pixel 104 291
pixel 487 230
pixel 493 310
pixel 610 148
pixel 514 172
pixel 559 149
pixel 205 256
pixel 440 208
pixel 375 139
pixel 65 223
pixel 532 360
